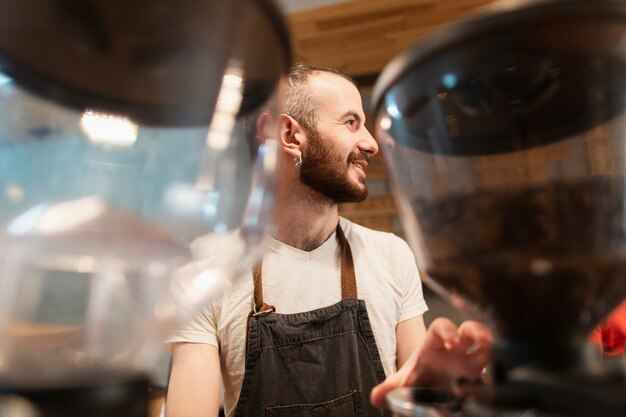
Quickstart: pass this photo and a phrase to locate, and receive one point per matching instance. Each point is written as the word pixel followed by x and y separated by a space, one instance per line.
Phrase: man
pixel 335 306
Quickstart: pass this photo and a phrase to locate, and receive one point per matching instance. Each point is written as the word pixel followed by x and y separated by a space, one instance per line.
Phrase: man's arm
pixel 409 336
pixel 194 387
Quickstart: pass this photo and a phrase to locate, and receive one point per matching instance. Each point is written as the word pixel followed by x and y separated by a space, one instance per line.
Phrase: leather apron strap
pixel 348 277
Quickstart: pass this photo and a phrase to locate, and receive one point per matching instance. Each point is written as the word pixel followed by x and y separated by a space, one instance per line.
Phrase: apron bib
pixel 318 363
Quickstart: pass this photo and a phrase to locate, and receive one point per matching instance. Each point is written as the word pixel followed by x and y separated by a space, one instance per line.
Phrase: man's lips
pixel 359 160
pixel 360 163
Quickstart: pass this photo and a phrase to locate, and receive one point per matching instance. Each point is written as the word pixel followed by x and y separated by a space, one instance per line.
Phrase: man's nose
pixel 368 144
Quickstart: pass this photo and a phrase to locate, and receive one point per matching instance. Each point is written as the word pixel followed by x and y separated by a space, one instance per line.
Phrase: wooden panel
pixel 362 36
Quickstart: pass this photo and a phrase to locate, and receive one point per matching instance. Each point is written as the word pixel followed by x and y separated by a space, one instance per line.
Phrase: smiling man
pixel 338 146
pixel 334 308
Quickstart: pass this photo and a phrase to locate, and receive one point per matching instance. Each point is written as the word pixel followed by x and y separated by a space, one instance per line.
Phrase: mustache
pixel 358 156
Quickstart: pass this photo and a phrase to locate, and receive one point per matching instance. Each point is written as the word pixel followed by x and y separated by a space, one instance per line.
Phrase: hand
pixel 446 354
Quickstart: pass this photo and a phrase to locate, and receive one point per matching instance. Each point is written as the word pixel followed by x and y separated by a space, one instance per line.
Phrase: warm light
pixel 385 123
pixel 108 129
pixel 226 108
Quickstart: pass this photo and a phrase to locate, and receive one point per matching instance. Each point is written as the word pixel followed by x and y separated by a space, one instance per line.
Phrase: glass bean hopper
pixel 134 185
pixel 504 135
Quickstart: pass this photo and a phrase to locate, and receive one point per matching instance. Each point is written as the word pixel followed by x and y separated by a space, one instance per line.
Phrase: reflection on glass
pixel 113 234
pixel 108 129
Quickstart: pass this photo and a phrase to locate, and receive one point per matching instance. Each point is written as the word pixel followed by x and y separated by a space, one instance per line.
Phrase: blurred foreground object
pixel 131 190
pixel 610 335
pixel 505 140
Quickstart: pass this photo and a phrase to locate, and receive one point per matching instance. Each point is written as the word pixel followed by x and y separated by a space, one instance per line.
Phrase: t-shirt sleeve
pixel 201 329
pixel 413 303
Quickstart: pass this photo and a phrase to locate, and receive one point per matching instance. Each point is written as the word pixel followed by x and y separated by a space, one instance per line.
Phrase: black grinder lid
pixel 518 75
pixel 159 62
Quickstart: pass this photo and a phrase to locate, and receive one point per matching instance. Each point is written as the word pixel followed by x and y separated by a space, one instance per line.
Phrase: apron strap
pixel 259 305
pixel 348 277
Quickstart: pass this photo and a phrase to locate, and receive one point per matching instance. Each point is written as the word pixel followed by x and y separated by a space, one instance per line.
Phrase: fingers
pixel 442 333
pixel 476 332
pixel 477 341
pixel 469 336
pixel 379 393
pixel 405 376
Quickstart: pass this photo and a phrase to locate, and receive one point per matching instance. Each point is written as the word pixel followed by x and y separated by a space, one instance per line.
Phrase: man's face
pixel 336 153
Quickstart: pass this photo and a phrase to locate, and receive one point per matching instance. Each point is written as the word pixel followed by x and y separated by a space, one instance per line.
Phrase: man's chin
pixel 354 197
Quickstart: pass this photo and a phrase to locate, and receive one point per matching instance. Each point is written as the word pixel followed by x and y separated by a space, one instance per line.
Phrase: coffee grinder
pixel 504 135
pixel 132 188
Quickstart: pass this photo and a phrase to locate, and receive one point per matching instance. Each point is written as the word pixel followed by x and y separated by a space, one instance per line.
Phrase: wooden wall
pixel 361 36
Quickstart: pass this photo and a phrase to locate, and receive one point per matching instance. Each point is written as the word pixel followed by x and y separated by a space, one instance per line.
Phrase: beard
pixel 325 171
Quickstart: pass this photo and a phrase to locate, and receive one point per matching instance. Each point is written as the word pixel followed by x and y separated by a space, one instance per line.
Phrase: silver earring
pixel 298 161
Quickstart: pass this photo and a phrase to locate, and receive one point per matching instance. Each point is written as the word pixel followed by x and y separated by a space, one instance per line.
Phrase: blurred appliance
pixel 132 187
pixel 505 139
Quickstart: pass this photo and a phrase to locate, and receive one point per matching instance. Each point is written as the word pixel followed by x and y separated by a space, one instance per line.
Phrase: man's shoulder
pixel 355 231
pixel 381 254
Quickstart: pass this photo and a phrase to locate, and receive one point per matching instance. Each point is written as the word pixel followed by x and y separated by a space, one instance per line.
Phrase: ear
pixel 292 135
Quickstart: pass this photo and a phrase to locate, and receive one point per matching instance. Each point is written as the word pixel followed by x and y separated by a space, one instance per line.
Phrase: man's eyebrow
pixel 353 114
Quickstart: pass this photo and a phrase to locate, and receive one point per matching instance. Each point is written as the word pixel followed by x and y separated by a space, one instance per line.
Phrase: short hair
pixel 298 102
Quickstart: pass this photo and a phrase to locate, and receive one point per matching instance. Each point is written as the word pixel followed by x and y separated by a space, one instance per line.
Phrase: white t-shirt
pixel 296 281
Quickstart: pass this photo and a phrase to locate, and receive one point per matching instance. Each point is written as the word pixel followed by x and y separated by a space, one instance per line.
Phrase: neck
pixel 304 218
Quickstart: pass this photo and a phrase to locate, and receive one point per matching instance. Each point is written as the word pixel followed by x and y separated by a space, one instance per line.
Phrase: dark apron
pixel 319 363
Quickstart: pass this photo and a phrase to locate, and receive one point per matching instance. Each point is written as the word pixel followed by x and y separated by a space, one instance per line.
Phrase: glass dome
pixel 135 183
pixel 504 137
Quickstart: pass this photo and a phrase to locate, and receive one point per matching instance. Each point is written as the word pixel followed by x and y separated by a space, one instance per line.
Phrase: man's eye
pixel 351 122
